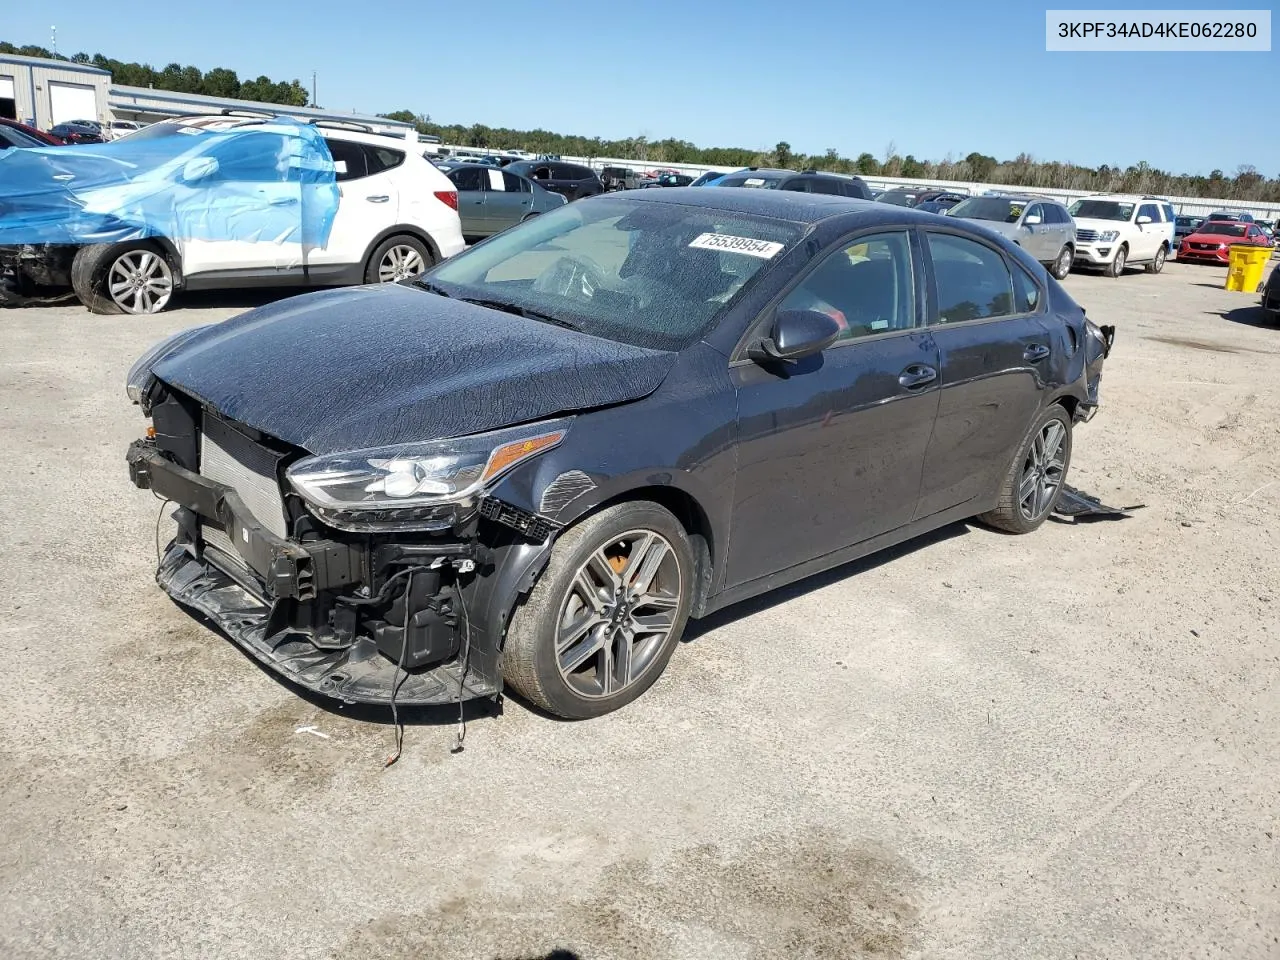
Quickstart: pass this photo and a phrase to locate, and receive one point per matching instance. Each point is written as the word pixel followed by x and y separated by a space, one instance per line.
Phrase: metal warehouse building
pixel 47 92
pixel 147 105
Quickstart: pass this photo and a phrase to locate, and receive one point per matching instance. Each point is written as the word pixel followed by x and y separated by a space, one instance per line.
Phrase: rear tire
pixel 1116 266
pixel 134 276
pixel 1062 265
pixel 397 258
pixel 568 649
pixel 1156 265
pixel 1044 456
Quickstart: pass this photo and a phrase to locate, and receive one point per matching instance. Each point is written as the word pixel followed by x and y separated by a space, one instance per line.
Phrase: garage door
pixel 72 101
pixel 8 102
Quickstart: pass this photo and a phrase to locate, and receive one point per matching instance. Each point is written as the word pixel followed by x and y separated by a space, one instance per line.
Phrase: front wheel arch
pixel 692 516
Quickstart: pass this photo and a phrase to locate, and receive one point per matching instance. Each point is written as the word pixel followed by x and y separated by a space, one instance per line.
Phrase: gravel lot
pixel 977 746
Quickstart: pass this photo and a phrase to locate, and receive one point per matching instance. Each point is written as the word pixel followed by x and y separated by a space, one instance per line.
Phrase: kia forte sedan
pixel 531 465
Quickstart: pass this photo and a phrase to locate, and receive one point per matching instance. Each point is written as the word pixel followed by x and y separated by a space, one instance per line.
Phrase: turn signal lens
pixel 510 454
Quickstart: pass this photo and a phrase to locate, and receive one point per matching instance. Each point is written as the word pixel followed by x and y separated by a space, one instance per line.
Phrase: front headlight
pixel 416 486
pixel 139 378
pixel 1108 236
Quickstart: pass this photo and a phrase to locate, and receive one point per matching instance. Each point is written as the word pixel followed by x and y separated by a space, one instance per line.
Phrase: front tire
pixel 1033 482
pixel 600 625
pixel 1116 266
pixel 132 277
pixel 1062 265
pixel 397 258
pixel 1156 265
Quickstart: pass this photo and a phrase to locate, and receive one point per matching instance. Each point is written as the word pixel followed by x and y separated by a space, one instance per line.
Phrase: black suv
pixel 808 181
pixel 571 180
pixel 618 178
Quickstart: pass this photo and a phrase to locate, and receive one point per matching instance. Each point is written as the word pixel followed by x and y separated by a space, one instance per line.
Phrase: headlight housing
pixel 416 486
pixel 139 378
pixel 1108 236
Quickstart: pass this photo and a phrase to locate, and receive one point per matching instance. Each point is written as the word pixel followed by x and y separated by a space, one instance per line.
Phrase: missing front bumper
pixel 357 673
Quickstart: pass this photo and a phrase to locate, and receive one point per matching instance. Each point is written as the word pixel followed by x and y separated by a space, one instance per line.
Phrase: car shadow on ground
pixel 766 601
pixel 231 299
pixel 1251 317
pixel 447 714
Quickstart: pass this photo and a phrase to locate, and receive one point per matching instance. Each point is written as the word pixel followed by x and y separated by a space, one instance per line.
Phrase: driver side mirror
pixel 796 334
pixel 198 168
pixel 1032 220
pixel 1142 220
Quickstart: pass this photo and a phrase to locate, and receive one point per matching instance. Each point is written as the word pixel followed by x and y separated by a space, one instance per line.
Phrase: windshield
pixel 13 137
pixel 1101 210
pixel 1224 227
pixel 1189 221
pixel 649 274
pixel 995 209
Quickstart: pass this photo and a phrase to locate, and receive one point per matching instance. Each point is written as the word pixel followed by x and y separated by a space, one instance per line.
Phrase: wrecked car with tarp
pixel 533 464
pixel 116 221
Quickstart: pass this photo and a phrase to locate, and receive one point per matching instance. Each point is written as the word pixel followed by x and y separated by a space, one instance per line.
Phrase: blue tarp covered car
pixel 181 185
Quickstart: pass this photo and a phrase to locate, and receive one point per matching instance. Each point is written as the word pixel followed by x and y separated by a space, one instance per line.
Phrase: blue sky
pixel 933 78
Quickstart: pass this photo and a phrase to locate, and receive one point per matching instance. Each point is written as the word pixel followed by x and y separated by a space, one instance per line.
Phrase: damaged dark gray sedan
pixel 536 462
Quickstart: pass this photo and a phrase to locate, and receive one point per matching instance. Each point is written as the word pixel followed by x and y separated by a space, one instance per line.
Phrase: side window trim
pixel 769 310
pixel 931 320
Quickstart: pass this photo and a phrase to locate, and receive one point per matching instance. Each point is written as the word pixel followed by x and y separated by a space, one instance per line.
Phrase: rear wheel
pixel 1116 266
pixel 1030 488
pixel 600 625
pixel 397 258
pixel 130 277
pixel 1156 265
pixel 1062 265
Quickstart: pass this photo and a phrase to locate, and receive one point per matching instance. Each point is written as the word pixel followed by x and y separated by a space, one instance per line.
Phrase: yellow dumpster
pixel 1244 274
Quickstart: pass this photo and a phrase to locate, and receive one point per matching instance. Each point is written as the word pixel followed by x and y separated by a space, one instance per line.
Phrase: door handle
pixel 283 201
pixel 917 375
pixel 1037 351
pixel 380 199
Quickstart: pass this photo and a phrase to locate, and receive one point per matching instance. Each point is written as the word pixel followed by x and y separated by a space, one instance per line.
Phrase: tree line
pixel 1244 184
pixel 218 82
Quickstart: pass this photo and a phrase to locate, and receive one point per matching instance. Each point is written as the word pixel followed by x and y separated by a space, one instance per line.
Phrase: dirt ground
pixel 977 746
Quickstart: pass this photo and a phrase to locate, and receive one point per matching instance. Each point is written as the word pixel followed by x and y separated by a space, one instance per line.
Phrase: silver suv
pixel 1039 225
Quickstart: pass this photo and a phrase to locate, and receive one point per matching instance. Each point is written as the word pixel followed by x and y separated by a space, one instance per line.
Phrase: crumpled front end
pixel 354 616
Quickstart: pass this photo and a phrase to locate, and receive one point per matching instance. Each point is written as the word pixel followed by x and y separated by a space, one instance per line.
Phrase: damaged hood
pixel 373 366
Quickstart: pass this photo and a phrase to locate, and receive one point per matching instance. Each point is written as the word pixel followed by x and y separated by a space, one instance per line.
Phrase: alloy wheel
pixel 1063 266
pixel 1042 472
pixel 400 263
pixel 140 282
pixel 1121 257
pixel 618 612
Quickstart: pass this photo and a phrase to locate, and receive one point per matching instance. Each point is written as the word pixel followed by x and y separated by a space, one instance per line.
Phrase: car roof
pixel 1125 198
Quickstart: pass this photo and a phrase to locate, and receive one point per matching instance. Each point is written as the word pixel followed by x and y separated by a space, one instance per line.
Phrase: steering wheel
pixel 572 277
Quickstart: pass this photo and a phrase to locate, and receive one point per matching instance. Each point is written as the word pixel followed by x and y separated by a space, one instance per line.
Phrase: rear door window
pixel 344 151
pixel 513 184
pixel 972 280
pixel 796 185
pixel 823 185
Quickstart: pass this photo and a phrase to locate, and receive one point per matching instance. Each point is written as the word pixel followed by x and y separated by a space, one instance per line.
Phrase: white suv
pixel 1115 231
pixel 396 215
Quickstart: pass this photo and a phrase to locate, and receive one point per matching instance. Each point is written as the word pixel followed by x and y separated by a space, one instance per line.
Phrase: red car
pixel 46 139
pixel 1213 240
